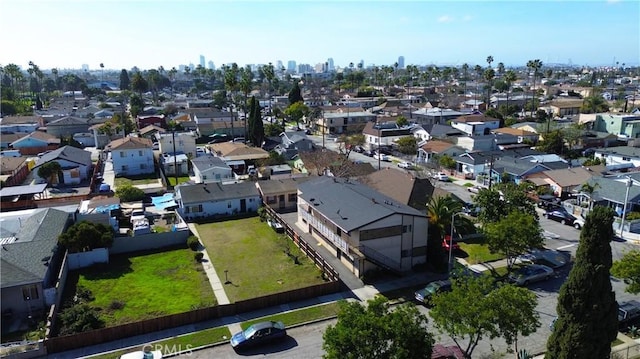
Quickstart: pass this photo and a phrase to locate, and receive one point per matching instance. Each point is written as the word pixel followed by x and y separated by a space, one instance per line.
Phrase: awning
pixel 163 202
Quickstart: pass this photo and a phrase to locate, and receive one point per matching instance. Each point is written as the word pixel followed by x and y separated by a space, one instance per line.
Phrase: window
pixel 143 166
pixel 125 168
pixel 292 197
pixel 626 158
pixel 339 232
pixel 122 154
pixel 229 204
pixel 272 199
pixel 204 178
pixel 195 209
pixel 30 292
pixel 405 253
pixel 140 153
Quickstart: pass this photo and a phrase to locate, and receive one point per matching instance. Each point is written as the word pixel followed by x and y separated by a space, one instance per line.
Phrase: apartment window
pixel 30 292
pixel 406 229
pixel 626 158
pixel 272 199
pixel 229 204
pixel 196 209
pixel 204 178
pixel 140 153
pixel 143 166
pixel 122 154
pixel 125 168
pixel 339 232
pixel 293 197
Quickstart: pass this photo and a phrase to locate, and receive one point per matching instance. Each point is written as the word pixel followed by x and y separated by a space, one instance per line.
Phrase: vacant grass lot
pixel 254 256
pixel 146 285
pixel 181 179
pixel 136 180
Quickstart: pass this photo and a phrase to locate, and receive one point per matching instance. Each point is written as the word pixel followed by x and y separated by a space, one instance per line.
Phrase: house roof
pixel 349 204
pixel 67 153
pixel 569 177
pixel 68 121
pixel 436 146
pixel 566 104
pixel 10 120
pixel 10 164
pixel 206 162
pixel 514 131
pixel 39 135
pixel 611 189
pixel 129 142
pixel 277 186
pixel 385 129
pixel 517 167
pixel 209 192
pixel 151 128
pixel 439 131
pixel 237 151
pixel 402 186
pixel 475 118
pixel 627 151
pixel 26 259
pixel 12 137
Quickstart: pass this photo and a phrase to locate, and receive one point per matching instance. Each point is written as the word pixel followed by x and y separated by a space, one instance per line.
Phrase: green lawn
pixel 148 285
pixel 304 315
pixel 136 180
pixel 181 179
pixel 479 253
pixel 254 256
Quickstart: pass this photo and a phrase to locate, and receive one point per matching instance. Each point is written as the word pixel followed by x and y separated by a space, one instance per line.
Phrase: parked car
pixel 578 223
pixel 359 149
pixel 368 153
pixel 548 257
pixel 425 294
pixel 474 189
pixel 218 137
pixel 471 209
pixel 628 314
pixel 381 157
pixel 406 165
pixel 441 176
pixel 143 354
pixel 560 215
pixel 548 202
pixel 446 243
pixel 530 273
pixel 259 333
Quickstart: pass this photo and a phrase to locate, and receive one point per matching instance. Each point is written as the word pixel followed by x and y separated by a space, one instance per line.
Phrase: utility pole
pixel 175 158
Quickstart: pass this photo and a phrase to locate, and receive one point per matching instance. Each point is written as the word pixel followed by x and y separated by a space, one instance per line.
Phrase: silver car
pixel 530 273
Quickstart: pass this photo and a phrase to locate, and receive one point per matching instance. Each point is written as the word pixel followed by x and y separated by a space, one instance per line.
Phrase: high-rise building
pixel 85 67
pixel 331 67
pixel 202 60
pixel 291 66
pixel 279 66
pixel 401 62
pixel 211 65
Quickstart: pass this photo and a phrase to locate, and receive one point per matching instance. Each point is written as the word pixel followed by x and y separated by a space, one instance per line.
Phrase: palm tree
pixel 269 74
pixel 509 77
pixel 488 76
pixel 440 210
pixel 500 68
pixel 231 84
pixel 535 66
pixel 465 75
pixel 489 60
pixel 478 70
pixel 101 74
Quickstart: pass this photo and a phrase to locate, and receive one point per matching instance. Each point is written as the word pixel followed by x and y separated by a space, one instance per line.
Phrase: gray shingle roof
pixel 68 153
pixel 271 187
pixel 25 260
pixel 206 192
pixel 205 162
pixel 350 204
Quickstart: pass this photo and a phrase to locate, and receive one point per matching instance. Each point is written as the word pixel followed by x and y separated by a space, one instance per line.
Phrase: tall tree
pixel 488 75
pixel 376 331
pixel 125 83
pixel 231 85
pixel 628 268
pixel 502 199
pixel 510 77
pixel 139 84
pixel 517 314
pixel 489 60
pixel 587 310
pixel 513 234
pixel 295 95
pixel 245 85
pixel 49 170
pixel 534 66
pixel 256 128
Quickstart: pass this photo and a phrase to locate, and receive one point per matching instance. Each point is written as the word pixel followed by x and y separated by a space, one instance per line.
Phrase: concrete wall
pixel 148 241
pixel 87 259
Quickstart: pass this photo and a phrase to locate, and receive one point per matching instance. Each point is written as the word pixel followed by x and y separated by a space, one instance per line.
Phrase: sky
pixel 148 34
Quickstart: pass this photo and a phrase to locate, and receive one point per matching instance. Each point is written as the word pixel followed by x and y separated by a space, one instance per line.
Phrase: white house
pixel 185 142
pixel 171 161
pixel 216 200
pixel 619 157
pixel 361 227
pixel 384 134
pixel 131 156
pixel 209 168
pixel 75 165
pixel 474 125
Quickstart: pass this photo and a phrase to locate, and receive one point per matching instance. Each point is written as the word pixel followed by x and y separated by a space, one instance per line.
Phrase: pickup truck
pixel 628 314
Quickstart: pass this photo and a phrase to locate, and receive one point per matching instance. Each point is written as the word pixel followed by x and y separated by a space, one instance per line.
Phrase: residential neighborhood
pixel 161 204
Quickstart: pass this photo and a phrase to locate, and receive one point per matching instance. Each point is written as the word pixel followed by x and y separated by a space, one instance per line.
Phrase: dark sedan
pixel 561 216
pixel 259 333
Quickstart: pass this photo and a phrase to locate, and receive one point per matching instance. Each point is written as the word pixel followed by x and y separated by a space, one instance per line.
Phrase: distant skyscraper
pixel 202 60
pixel 192 66
pixel 211 65
pixel 291 66
pixel 85 67
pixel 330 62
pixel 279 66
pixel 401 62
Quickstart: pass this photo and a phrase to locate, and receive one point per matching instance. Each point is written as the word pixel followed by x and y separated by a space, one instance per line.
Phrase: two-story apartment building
pixel 132 156
pixel 343 121
pixel 363 228
pixel 474 125
pixel 383 134
pixel 619 157
pixel 178 142
pixel 620 124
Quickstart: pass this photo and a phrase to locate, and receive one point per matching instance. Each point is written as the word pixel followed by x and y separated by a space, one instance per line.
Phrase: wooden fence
pixel 69 342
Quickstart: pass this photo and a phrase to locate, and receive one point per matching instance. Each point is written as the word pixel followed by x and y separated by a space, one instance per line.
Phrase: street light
pixel 628 183
pixel 453 216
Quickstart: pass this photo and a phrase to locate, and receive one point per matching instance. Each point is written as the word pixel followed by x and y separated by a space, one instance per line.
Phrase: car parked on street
pixel 548 202
pixel 143 354
pixel 441 176
pixel 425 294
pixel 406 165
pixel 548 257
pixel 530 273
pixel 381 157
pixel 257 334
pixel 447 243
pixel 560 215
pixel 474 189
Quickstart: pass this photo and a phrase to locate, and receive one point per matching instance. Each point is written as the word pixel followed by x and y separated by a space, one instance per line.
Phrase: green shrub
pixel 129 193
pixel 193 242
pixel 198 256
pixel 80 318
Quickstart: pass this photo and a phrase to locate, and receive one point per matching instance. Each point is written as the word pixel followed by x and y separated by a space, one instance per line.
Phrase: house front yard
pixel 255 259
pixel 143 285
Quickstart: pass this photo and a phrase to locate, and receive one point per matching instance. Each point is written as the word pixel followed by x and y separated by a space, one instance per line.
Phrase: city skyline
pixel 68 34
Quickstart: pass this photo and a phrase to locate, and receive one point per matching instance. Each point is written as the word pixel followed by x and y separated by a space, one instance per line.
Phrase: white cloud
pixel 445 18
pixel 467 18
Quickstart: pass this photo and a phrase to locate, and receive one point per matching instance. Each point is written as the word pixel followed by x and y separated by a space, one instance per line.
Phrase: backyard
pixel 137 180
pixel 143 285
pixel 255 259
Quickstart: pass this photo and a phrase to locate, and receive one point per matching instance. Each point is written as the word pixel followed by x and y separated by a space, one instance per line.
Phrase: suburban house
pixel 237 155
pixel 6 139
pixel 20 124
pixel 515 170
pixel 434 148
pixel 30 260
pixel 151 131
pixel 435 115
pixel 210 121
pixel 292 143
pixel 211 169
pixel 35 142
pixel 179 142
pixel 171 162
pixel 281 194
pixel 67 126
pixel 435 131
pixel 477 105
pixel 472 164
pixel 561 181
pixel 522 135
pixel 402 186
pixel 101 138
pixel 343 121
pixel 361 227
pixel 13 170
pixel 498 100
pixel 477 143
pixel 619 157
pixel 620 124
pixel 383 134
pixel 132 156
pixel 611 192
pixel 563 108
pixel 208 200
pixel 151 120
pixel 75 165
pixel 474 125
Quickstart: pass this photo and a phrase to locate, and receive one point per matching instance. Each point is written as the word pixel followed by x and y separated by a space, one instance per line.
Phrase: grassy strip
pixel 479 253
pixel 181 179
pixel 299 316
pixel 184 342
